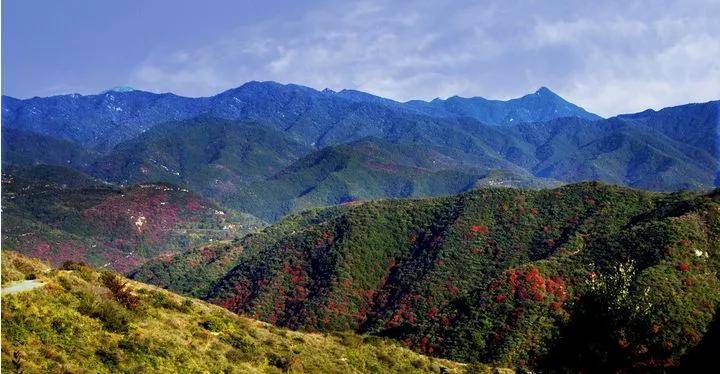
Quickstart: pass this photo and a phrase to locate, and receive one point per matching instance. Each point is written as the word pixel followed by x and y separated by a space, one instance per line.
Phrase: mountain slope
pixel 97 121
pixel 494 275
pixel 208 155
pixel 371 169
pixel 84 320
pixel 58 214
pixel 693 124
pixel 632 153
pixel 26 148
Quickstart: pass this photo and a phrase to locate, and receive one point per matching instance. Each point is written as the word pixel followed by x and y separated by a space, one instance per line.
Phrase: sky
pixel 610 57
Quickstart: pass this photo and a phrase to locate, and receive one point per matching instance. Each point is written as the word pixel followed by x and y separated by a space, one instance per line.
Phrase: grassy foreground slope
pixel 84 320
pixel 582 276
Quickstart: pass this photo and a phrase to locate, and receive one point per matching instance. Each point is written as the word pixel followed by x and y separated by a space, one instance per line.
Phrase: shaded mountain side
pixel 207 155
pixel 703 355
pixel 97 121
pixel 254 151
pixel 243 164
pixel 495 275
pixel 371 169
pixel 638 153
pixel 318 119
pixel 58 214
pixel 693 124
pixel 85 320
pixel 25 148
pixel 51 175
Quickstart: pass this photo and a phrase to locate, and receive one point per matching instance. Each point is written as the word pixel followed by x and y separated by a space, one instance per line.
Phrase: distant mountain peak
pixel 118 89
pixel 539 106
pixel 544 91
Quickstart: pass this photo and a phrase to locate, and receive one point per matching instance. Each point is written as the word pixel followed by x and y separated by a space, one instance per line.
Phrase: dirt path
pixel 21 286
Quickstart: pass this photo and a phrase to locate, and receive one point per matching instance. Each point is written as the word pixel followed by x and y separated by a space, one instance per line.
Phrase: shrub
pixel 17 267
pixel 350 340
pixel 114 317
pixel 384 358
pixel 72 265
pixel 109 356
pixel 418 364
pixel 278 361
pixel 187 305
pixel 237 355
pixel 214 324
pixel 480 368
pixel 240 341
pixel 140 345
pixel 120 292
pixel 373 340
pixel 162 300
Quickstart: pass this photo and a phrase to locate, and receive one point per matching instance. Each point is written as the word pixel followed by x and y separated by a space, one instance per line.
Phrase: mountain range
pixel 290 147
pixel 526 233
pixel 315 117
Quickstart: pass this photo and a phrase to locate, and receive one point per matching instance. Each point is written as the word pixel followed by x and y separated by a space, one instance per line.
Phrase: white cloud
pixel 631 68
pixel 611 57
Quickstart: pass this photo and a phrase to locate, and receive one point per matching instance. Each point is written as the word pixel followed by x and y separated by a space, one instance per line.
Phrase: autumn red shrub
pixel 120 291
pixel 529 285
pixel 452 289
pixel 480 229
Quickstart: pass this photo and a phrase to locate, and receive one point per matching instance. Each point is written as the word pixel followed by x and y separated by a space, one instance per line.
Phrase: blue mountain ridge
pixel 106 119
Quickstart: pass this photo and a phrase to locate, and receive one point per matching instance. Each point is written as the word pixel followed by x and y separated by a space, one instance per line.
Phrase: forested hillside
pixel 551 279
pixel 58 214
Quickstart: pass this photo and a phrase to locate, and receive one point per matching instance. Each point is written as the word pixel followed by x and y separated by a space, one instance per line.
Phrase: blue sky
pixel 608 56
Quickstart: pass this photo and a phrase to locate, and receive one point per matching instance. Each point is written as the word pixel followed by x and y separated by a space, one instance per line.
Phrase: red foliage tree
pixel 480 229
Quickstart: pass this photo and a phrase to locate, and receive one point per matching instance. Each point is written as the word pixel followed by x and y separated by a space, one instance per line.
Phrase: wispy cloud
pixel 612 57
